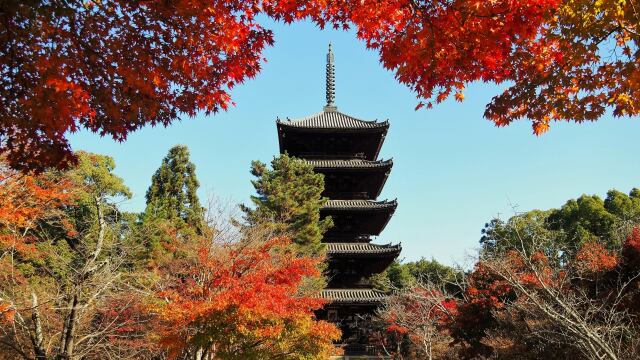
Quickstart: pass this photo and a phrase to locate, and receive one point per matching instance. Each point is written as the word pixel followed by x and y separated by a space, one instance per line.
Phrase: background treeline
pixel 82 279
pixel 558 284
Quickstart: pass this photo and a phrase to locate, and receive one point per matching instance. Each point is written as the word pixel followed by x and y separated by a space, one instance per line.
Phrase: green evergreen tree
pixel 172 200
pixel 288 200
pixel 173 191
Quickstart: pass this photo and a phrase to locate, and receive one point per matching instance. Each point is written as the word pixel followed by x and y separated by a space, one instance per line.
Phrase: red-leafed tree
pixel 243 300
pixel 527 302
pixel 420 314
pixel 76 280
pixel 562 60
pixel 65 261
pixel 26 201
pixel 113 67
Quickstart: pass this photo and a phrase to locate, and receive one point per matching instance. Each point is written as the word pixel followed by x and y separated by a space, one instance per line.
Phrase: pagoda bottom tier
pixel 349 309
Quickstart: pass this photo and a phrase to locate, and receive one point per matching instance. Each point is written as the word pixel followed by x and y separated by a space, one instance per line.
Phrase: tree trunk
pixel 36 337
pixel 68 334
pixel 101 230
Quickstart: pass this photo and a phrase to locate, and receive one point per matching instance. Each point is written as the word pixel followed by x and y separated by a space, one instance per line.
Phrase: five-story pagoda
pixel 345 150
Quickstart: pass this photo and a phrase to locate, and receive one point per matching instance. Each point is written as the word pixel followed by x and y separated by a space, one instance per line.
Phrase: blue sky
pixel 453 170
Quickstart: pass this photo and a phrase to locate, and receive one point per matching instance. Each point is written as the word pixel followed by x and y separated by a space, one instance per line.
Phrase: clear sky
pixel 453 170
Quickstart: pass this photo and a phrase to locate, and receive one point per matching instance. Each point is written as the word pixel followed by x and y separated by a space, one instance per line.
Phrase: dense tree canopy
pixel 561 283
pixel 400 276
pixel 243 302
pixel 578 221
pixel 72 284
pixel 112 67
pixel 62 255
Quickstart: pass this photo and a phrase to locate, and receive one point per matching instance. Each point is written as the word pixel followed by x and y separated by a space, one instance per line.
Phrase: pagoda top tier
pixel 331 134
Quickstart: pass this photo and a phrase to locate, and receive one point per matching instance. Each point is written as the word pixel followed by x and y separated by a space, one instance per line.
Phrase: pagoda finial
pixel 331 82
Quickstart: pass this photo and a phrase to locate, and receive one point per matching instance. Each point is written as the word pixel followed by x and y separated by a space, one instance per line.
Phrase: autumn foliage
pixel 26 198
pixel 421 315
pixel 563 60
pixel 244 301
pixel 77 280
pixel 115 67
pixel 529 303
pixel 25 201
pixel 593 257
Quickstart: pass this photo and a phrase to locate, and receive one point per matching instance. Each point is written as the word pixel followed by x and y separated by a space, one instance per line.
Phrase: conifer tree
pixel 172 194
pixel 289 198
pixel 172 200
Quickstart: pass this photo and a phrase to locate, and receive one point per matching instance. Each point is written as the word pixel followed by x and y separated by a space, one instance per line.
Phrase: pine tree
pixel 172 194
pixel 172 200
pixel 288 200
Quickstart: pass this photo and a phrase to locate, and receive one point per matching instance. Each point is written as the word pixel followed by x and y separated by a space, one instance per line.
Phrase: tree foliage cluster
pixel 399 275
pixel 113 67
pixel 288 201
pixel 562 284
pixel 80 279
pixel 173 212
pixel 578 221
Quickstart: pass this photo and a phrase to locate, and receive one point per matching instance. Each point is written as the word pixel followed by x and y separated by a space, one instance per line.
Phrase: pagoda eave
pixel 354 296
pixel 359 205
pixel 351 264
pixel 351 249
pixel 351 165
pixel 330 134
pixel 332 120
pixel 357 217
pixel 284 129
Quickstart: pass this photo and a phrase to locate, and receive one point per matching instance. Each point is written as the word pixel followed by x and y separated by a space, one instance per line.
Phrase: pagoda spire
pixel 331 82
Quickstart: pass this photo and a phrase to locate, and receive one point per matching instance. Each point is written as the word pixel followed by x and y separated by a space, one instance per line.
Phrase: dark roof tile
pixel 362 248
pixel 353 295
pixel 350 164
pixel 333 120
pixel 359 205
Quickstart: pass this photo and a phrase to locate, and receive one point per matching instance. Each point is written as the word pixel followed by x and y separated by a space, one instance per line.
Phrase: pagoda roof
pixel 332 120
pixel 359 205
pixel 362 248
pixel 354 295
pixel 349 163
